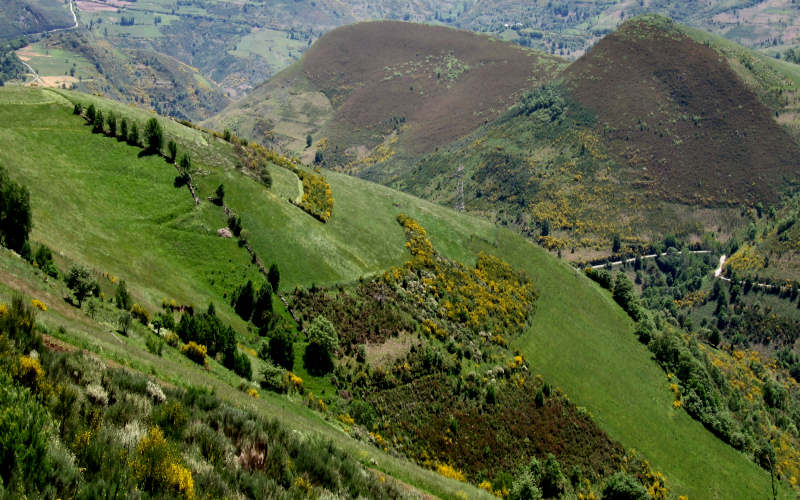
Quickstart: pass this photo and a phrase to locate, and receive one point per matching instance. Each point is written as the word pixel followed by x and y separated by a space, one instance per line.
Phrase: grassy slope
pixel 120 233
pixel 580 340
pixel 583 342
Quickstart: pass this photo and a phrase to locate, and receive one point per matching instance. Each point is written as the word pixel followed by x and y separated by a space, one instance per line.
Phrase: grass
pixel 57 62
pixel 584 343
pixel 96 202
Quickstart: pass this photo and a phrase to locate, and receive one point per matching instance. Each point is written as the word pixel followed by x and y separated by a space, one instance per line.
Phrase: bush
pixel 601 276
pixel 553 479
pixel 44 261
pixel 524 487
pixel 24 438
pixel 262 307
pixel 80 281
pixel 157 469
pixel 124 322
pixel 153 135
pixel 241 365
pixel 243 301
pixel 625 296
pixel 98 123
pixel 133 135
pixel 122 297
pixel 196 352
pixel 363 413
pixel 140 313
pixel 15 213
pixel 154 344
pixel 17 321
pixel 280 349
pixel 272 378
pixel 274 277
pixel 621 486
pixel 172 148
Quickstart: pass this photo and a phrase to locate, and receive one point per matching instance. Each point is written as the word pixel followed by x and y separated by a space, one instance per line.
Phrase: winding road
pixel 32 71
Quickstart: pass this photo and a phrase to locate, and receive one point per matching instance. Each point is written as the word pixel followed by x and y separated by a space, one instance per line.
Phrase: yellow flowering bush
pixel 450 472
pixel 156 467
pixel 196 352
pixel 38 304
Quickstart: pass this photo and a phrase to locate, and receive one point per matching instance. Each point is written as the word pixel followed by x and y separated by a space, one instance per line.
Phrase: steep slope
pixel 682 119
pixel 630 140
pixel 406 87
pixel 18 18
pixel 88 63
pixel 95 183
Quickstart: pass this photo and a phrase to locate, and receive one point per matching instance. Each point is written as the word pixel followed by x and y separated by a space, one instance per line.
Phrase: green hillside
pixel 98 202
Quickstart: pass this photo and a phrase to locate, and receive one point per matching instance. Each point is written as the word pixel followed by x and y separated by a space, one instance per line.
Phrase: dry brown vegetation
pixel 435 84
pixel 675 112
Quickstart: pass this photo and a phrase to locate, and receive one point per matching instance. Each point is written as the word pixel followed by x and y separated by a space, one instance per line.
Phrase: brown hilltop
pixel 440 83
pixel 676 113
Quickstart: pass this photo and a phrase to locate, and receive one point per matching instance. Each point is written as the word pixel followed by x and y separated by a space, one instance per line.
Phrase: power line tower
pixel 459 203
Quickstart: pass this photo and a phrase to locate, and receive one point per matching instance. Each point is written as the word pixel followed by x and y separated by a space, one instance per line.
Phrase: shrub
pixel 90 112
pixel 28 372
pixel 98 122
pixel 153 135
pixel 154 344
pixel 280 349
pixel 81 282
pixel 122 297
pixel 112 124
pixel 262 307
pixel 625 296
pixel 241 365
pixel 140 313
pixel 621 486
pixel 601 276
pixel 272 378
pixel 235 224
pixel 196 352
pixel 243 301
pixel 274 277
pixel 172 339
pixel 155 466
pixel 552 481
pixel 123 130
pixel 172 148
pixel 24 438
pixel 17 321
pixel 363 413
pixel 524 487
pixel 133 135
pixel 124 322
pixel 15 213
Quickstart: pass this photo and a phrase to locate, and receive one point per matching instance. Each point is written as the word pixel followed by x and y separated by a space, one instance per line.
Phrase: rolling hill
pixel 628 140
pixel 403 87
pixel 670 107
pixel 101 203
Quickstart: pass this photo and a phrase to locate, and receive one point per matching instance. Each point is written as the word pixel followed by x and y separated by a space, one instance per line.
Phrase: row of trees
pixel 152 137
